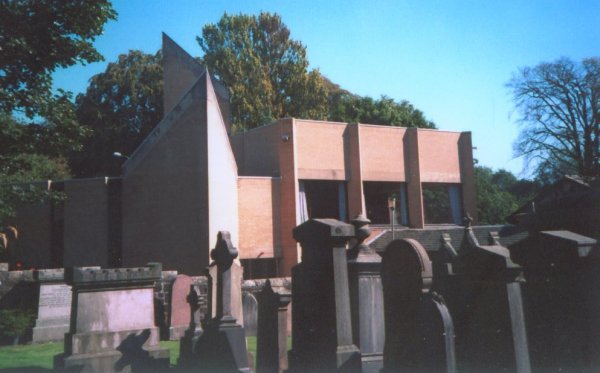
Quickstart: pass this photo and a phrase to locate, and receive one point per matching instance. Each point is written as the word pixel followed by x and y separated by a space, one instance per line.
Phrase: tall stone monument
pixel 321 317
pixel 222 347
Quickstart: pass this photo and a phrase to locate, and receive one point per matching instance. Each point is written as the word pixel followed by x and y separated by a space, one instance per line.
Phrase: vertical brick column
pixel 416 218
pixel 467 175
pixel 289 196
pixel 356 198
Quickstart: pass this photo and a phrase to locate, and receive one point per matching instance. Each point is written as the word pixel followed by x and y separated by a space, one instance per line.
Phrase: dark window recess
pixel 259 268
pixel 376 202
pixel 323 199
pixel 442 204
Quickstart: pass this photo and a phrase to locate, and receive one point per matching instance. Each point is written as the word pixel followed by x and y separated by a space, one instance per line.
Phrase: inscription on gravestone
pixel 55 299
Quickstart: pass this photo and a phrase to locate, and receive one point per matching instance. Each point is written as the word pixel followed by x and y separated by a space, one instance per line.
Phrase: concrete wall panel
pixel 86 219
pixel 165 197
pixel 256 151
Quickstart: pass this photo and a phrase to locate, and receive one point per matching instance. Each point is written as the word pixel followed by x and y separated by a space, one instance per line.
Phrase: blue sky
pixel 451 59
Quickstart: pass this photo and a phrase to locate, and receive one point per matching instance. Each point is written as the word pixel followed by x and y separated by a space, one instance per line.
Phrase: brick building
pixel 192 177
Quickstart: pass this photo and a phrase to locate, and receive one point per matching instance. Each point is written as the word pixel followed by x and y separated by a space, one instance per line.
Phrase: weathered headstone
pixel 250 307
pixel 271 349
pixel 237 277
pixel 162 299
pixel 54 306
pixel 366 295
pixel 562 298
pixel 489 318
pixel 419 330
pixel 179 315
pixel 112 324
pixel 222 347
pixel 321 319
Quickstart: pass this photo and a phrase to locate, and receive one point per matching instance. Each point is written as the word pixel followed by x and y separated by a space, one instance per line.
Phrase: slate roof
pixel 431 237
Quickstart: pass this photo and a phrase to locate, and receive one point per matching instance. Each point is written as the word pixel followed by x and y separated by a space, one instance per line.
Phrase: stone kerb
pixel 112 324
pixel 54 306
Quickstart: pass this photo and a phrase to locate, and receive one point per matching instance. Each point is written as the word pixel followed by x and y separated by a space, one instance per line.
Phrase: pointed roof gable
pixel 180 72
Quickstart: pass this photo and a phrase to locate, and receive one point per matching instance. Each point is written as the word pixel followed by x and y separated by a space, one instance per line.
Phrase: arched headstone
pixel 417 322
pixel 250 307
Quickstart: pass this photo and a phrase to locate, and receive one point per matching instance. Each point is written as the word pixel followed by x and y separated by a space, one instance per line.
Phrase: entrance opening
pixel 376 202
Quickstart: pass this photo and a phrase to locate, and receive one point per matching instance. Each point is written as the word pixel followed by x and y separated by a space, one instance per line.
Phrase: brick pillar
pixel 289 196
pixel 356 198
pixel 416 218
pixel 467 175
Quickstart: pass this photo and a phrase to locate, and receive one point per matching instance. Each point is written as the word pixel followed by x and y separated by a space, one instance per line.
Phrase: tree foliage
pixel 500 193
pixel 38 36
pixel 120 107
pixel 265 70
pixel 346 107
pixel 559 107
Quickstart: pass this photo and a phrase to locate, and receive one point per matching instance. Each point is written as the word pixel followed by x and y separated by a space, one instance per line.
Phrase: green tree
pixel 559 107
pixel 346 107
pixel 120 107
pixel 501 193
pixel 38 36
pixel 265 70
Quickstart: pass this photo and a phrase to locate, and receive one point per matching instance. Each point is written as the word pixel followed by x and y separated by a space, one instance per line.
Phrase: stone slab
pixel 113 310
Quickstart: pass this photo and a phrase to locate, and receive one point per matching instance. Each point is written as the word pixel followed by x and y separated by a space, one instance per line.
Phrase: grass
pixel 41 356
pixel 31 356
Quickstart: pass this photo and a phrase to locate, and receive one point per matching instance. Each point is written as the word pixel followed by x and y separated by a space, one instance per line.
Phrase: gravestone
pixel 112 325
pixel 237 277
pixel 179 315
pixel 271 349
pixel 562 298
pixel 488 310
pixel 321 318
pixel 419 333
pixel 250 307
pixel 366 293
pixel 54 306
pixel 222 347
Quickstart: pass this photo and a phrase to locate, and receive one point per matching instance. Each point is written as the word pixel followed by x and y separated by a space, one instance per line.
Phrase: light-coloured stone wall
pixel 222 172
pixel 260 231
